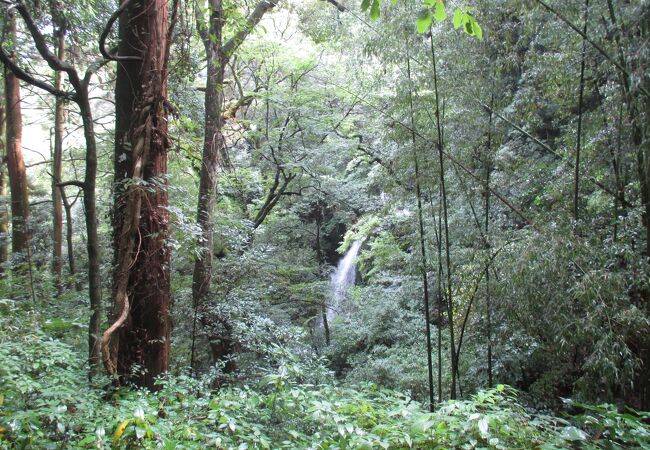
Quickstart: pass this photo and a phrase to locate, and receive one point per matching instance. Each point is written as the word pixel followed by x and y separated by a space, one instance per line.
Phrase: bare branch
pixel 43 49
pixel 77 183
pixel 29 78
pixel 518 128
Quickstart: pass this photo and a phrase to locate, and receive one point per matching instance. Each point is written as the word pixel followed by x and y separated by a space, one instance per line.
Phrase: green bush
pixel 47 402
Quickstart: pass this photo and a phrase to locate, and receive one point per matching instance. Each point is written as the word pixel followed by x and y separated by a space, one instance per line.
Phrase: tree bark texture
pixel 92 244
pixel 213 143
pixel 4 213
pixel 136 346
pixel 14 153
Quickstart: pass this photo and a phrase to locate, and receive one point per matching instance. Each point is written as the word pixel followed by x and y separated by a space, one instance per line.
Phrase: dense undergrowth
pixel 47 402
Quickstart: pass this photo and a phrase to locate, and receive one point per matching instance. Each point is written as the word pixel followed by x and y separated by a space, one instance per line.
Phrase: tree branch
pixel 110 55
pixel 518 128
pixel 231 108
pixel 253 19
pixel 199 18
pixel 29 78
pixel 43 49
pixel 77 183
pixel 337 5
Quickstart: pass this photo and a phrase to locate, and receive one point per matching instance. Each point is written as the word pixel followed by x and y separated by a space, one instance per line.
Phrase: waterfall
pixel 341 280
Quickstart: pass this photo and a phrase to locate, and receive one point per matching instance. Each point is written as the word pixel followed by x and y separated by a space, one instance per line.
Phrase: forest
pixel 324 224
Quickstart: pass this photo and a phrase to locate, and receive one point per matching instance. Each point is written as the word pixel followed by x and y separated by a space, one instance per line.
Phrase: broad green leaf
pixel 365 4
pixel 430 3
pixel 478 31
pixel 458 18
pixel 375 11
pixel 483 426
pixel 574 434
pixel 87 440
pixel 440 14
pixel 468 27
pixel 424 20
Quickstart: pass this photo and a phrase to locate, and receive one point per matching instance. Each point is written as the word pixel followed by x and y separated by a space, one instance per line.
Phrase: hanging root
pixel 110 358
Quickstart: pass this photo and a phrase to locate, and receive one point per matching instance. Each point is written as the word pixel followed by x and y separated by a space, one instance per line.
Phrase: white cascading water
pixel 342 280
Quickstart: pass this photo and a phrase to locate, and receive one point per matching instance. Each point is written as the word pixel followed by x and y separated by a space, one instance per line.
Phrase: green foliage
pixel 46 402
pixel 366 225
pixel 383 255
pixel 615 429
pixel 433 9
pixel 567 298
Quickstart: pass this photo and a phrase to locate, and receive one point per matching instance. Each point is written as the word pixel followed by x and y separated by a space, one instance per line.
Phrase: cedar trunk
pixel 15 162
pixel 136 346
pixel 4 214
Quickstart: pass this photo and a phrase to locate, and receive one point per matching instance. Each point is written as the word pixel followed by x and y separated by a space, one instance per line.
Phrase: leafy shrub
pixel 47 402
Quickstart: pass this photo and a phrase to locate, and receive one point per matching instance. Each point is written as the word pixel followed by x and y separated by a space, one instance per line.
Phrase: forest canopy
pixel 324 224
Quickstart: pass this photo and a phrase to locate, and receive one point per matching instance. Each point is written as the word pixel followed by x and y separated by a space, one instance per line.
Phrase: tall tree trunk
pixel 319 258
pixel 615 152
pixel 15 162
pixel 92 244
pixel 4 214
pixel 57 166
pixel 218 54
pixel 213 143
pixel 136 346
pixel 439 289
pixel 67 206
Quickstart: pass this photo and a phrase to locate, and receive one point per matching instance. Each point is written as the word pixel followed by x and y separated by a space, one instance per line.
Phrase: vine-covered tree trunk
pixel 14 153
pixel 488 299
pixel 4 214
pixel 136 345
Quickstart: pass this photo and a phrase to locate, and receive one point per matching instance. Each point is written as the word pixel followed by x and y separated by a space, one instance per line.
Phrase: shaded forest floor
pixel 47 402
